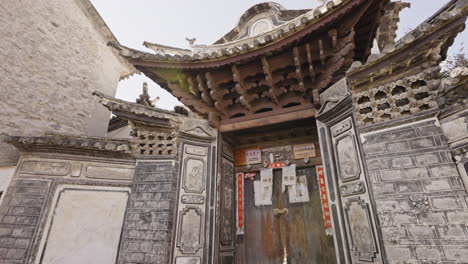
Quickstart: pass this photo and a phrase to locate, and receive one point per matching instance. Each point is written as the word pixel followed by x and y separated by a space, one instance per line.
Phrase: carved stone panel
pixel 194 175
pixel 227 227
pixel 188 260
pixel 352 188
pixel 198 151
pixel 48 168
pixel 189 239
pixel 193 199
pixel 348 163
pixel 363 242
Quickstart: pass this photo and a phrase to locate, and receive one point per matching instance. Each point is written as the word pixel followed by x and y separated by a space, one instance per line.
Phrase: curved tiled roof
pixel 233 48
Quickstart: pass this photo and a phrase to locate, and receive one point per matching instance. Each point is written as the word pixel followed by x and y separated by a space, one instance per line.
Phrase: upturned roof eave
pixel 141 58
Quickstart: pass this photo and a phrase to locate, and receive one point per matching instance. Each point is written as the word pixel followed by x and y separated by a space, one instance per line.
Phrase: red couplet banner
pixel 323 196
pixel 240 202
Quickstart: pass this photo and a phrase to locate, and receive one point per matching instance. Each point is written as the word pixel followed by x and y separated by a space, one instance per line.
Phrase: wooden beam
pixel 267 120
pixel 273 92
pixel 204 90
pixel 322 53
pixel 217 94
pixel 310 62
pixel 334 38
pixel 190 99
pixel 245 99
pixel 297 63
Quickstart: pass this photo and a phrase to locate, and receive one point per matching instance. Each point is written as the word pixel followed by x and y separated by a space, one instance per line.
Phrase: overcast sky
pixel 169 22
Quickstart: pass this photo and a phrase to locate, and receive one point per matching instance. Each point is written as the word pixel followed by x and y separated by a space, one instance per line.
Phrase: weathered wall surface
pixel 149 218
pixel 421 201
pixel 27 212
pixel 53 58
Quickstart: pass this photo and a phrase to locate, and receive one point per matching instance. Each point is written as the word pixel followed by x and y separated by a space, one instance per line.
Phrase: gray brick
pixel 421 232
pixel 457 217
pixel 376 164
pixel 16 253
pixel 374 148
pixel 398 253
pixel 428 158
pixel 432 218
pixel 432 185
pixel 382 188
pixel 431 254
pixel 403 218
pixel 456 253
pixel 445 203
pixel 443 171
pixel 451 231
pixel 422 143
pixel 393 233
pixel 391 175
pixel 405 134
pixel 416 173
pixel 400 162
pixel 429 130
pixel 398 146
pixel 409 186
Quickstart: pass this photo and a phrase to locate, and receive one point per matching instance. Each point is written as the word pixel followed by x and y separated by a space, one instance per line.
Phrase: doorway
pixel 294 234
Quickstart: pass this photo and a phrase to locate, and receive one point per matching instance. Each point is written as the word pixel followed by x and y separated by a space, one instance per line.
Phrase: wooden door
pixel 297 237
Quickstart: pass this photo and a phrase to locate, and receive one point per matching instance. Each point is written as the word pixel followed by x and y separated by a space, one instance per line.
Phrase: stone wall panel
pixel 420 200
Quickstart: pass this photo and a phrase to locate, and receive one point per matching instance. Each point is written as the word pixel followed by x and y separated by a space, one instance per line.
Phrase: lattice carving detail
pixel 399 98
pixel 154 142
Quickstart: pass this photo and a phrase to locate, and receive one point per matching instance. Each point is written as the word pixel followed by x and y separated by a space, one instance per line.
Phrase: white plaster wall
pixel 123 132
pixel 6 173
pixel 84 225
pixel 53 58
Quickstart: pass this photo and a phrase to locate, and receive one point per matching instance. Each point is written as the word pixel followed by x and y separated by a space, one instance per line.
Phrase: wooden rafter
pixel 190 99
pixel 310 61
pixel 334 38
pixel 297 63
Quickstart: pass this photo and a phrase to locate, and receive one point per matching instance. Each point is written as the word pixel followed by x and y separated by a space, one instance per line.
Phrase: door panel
pixel 301 231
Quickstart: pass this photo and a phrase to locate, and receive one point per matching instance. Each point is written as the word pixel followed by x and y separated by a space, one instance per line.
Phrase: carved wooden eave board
pixel 68 144
pixel 278 78
pixel 405 79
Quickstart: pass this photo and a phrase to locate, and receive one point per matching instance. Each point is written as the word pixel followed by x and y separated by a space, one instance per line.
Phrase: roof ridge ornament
pixel 191 41
pixel 145 98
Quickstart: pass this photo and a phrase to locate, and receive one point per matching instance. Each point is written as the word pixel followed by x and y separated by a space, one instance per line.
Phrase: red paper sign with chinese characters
pixel 240 202
pixel 323 196
pixel 276 165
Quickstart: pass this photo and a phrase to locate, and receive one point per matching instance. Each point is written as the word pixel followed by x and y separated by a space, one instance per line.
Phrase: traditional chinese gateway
pixel 313 136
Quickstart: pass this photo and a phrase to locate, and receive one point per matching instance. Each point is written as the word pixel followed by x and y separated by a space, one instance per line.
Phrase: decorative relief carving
pixel 227 228
pixel 363 240
pixel 420 203
pixel 336 92
pixel 189 238
pixel 111 173
pixel 352 189
pixel 154 142
pixel 48 168
pixel 341 127
pixel 198 151
pixel 403 97
pixel 348 163
pixel 194 175
pixel 193 199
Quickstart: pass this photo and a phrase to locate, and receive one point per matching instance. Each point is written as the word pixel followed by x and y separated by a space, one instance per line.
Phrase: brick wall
pixel 19 218
pixel 421 202
pixel 52 59
pixel 149 218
